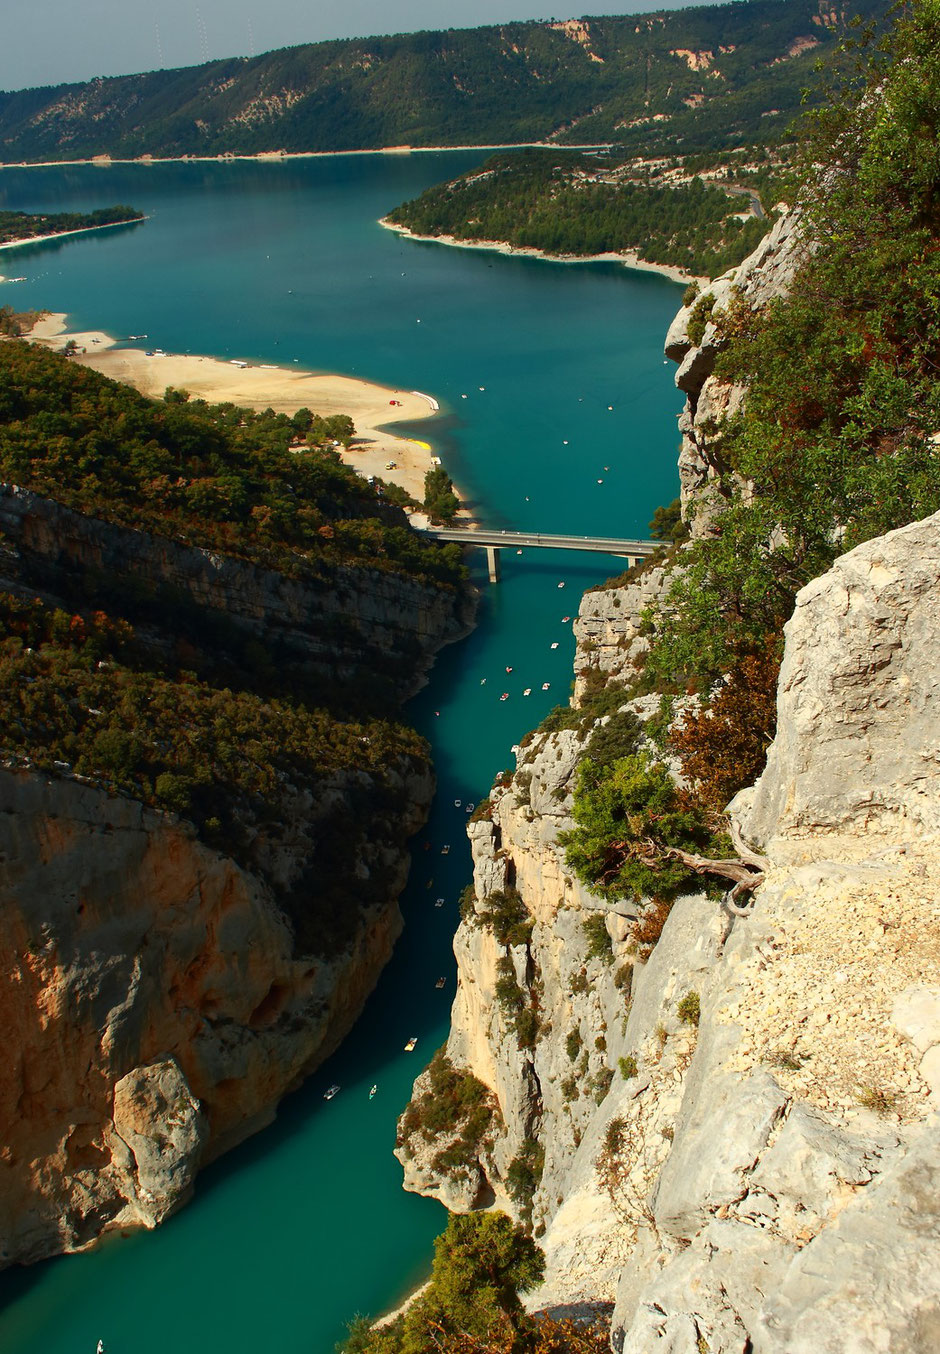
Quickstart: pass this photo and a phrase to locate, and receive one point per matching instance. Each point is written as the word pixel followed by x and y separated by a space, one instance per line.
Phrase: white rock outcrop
pixel 857 741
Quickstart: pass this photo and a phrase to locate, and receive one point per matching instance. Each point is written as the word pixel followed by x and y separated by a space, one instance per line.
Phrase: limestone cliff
pixel 727 1131
pixel 693 342
pixel 156 1003
pixel 343 626
pixel 741 1181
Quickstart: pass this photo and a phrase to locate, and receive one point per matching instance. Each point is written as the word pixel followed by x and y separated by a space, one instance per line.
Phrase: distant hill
pixel 700 78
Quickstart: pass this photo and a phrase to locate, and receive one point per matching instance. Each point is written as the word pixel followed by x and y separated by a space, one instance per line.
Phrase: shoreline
pixel 61 234
pixel 629 257
pixel 276 156
pixel 268 386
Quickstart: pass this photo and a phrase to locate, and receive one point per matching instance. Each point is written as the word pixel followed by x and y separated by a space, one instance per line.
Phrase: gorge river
pixel 306 1224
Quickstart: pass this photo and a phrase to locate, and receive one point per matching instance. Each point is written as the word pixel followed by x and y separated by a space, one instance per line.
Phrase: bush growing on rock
pixel 723 746
pixel 629 816
pixel 599 944
pixel 689 1009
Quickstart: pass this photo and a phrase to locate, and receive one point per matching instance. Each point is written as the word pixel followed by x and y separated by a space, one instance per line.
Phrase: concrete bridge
pixel 494 541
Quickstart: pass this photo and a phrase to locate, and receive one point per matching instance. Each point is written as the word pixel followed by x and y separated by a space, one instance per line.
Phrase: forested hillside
pixel 702 78
pixel 566 203
pixel 122 664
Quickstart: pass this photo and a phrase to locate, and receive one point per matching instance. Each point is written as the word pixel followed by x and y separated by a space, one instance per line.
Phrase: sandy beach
pixel 628 257
pixel 284 389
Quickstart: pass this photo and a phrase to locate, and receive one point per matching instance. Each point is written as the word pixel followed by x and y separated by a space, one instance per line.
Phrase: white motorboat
pixel 329 1093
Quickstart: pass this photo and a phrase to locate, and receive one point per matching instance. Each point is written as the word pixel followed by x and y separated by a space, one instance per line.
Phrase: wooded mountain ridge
pixel 702 78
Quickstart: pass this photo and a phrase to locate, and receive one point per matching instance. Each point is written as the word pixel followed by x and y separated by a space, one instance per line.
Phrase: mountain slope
pixel 709 76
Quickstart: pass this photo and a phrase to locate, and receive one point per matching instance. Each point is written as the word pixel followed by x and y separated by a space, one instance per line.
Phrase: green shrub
pixel 506 915
pixel 599 943
pixel 602 1083
pixel 689 1009
pixel 628 815
pixel 617 738
pixel 174 792
pixel 573 1043
pixel 525 1173
pixel 628 1066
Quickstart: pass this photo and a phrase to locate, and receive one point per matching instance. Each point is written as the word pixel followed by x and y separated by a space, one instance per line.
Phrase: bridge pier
pixel 492 562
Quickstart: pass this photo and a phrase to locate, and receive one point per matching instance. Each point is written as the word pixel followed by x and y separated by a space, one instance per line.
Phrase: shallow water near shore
pixel 306 1224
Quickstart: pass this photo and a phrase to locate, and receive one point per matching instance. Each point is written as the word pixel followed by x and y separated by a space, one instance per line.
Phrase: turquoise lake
pixel 306 1224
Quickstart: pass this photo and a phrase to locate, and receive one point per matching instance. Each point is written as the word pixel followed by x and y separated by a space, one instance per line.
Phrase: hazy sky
pixel 44 42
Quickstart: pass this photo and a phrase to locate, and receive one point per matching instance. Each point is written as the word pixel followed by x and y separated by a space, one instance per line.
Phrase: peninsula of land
pixel 19 228
pixel 628 257
pixel 371 407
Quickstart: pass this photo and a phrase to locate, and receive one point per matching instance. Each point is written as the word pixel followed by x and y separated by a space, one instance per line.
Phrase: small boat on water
pixel 561 585
pixel 483 681
pixel 555 645
pixel 373 1091
pixel 504 696
pixel 470 808
pixel 441 982
pixel 546 685
pixel 329 1093
pixel 438 902
pixel 509 669
pixel 410 1046
pixel 565 620
pixel 100 1347
pixel 456 803
pixel 445 850
pixel 527 691
pixel 518 552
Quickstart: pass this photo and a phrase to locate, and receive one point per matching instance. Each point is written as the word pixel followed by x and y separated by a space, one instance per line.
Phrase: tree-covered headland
pixel 29 225
pixel 562 202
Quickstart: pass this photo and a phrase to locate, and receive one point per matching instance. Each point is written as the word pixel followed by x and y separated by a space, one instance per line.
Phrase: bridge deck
pixel 607 545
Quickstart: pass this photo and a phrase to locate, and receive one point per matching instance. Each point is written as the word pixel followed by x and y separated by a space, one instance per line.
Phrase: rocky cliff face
pixel 693 342
pixel 155 1002
pixel 738 1126
pixel 345 626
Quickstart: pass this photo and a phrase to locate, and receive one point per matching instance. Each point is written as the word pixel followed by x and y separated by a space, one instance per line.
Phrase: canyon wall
pixel 724 1128
pixel 155 1002
pixel 345 625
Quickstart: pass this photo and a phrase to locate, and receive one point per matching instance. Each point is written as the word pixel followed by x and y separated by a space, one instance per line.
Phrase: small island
pixel 24 227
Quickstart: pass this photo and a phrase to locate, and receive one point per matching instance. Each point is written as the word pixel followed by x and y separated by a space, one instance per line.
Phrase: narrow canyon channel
pixel 558 415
